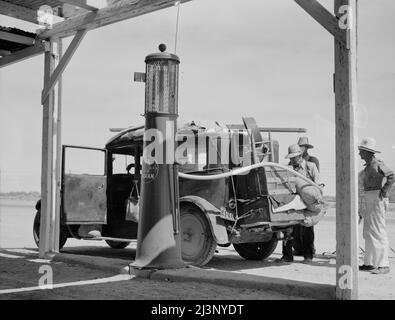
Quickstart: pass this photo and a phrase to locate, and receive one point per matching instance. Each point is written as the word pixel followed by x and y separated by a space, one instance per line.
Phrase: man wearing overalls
pixel 375 183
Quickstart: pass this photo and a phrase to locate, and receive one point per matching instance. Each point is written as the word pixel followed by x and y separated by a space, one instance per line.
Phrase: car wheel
pixel 256 250
pixel 117 244
pixel 36 232
pixel 197 241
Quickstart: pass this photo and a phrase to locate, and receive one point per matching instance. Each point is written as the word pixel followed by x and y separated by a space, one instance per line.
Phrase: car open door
pixel 84 177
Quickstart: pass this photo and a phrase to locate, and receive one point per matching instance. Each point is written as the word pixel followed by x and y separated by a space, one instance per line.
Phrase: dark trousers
pixel 303 239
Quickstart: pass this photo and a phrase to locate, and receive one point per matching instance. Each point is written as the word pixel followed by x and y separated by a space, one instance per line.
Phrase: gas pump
pixel 159 244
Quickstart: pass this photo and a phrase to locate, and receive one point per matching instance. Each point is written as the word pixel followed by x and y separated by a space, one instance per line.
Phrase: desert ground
pixel 20 266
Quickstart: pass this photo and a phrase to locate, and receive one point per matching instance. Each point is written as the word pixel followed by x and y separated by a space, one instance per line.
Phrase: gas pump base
pixel 147 272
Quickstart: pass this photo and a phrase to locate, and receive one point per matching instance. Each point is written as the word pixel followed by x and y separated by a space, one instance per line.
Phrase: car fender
pixel 218 229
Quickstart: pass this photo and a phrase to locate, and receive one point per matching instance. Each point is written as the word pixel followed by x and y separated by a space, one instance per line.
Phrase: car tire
pixel 197 241
pixel 63 234
pixel 117 244
pixel 256 250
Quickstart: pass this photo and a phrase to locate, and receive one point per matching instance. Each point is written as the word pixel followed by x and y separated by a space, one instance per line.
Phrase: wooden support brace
pixel 23 54
pixel 323 17
pixel 62 64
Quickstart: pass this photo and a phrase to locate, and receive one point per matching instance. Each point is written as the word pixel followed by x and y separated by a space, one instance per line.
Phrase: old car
pixel 220 204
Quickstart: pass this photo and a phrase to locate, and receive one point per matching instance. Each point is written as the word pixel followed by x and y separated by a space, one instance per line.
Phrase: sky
pixel 265 59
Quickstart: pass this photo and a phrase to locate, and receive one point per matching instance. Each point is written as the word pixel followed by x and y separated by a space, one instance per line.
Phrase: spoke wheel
pixel 198 244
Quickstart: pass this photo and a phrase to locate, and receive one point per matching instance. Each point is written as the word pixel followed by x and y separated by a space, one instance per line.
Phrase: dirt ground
pixel 22 271
pixel 19 279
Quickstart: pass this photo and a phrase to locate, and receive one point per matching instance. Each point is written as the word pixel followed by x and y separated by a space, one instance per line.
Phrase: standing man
pixel 304 145
pixel 376 183
pixel 309 170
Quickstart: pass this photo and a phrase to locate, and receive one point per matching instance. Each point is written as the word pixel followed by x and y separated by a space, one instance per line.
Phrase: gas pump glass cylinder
pixel 161 84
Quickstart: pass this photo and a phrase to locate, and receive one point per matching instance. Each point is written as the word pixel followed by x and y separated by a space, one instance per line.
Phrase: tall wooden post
pixel 58 152
pixel 49 220
pixel 47 159
pixel 346 175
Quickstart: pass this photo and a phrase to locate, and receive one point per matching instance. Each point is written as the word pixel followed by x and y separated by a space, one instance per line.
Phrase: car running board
pixel 109 238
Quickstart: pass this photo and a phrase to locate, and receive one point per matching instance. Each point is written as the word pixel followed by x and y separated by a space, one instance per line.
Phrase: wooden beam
pixel 46 243
pixel 122 10
pixel 17 38
pixel 58 151
pixel 80 3
pixel 62 64
pixel 18 12
pixel 23 54
pixel 323 17
pixel 346 166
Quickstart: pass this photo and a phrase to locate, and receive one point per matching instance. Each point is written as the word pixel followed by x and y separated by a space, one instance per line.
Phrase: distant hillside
pixel 20 195
pixel 391 196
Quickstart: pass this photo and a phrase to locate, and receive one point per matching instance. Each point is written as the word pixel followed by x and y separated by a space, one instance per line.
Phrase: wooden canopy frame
pixel 84 17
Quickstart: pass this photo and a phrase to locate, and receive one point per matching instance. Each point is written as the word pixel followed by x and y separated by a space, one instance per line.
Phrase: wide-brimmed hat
pixel 368 144
pixel 304 142
pixel 293 151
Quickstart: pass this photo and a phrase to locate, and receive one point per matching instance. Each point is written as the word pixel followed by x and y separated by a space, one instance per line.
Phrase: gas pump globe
pixel 159 243
pixel 161 84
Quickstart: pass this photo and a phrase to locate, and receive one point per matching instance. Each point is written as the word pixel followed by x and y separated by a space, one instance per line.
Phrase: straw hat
pixel 293 151
pixel 368 144
pixel 304 142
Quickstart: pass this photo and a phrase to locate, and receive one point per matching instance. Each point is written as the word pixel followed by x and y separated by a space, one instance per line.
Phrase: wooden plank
pixel 62 64
pixel 80 3
pixel 346 165
pixel 17 38
pixel 323 17
pixel 58 151
pixel 18 56
pixel 119 11
pixel 18 12
pixel 45 246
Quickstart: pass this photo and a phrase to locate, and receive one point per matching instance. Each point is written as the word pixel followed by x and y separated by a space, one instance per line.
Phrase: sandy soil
pixel 15 232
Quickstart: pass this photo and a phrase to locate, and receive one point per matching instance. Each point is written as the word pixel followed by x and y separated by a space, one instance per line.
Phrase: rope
pixel 177 4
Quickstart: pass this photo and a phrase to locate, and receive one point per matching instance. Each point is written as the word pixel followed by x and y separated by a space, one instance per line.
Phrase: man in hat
pixel 308 169
pixel 376 180
pixel 305 146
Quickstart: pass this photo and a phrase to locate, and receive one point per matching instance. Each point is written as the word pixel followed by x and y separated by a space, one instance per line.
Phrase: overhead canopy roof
pixel 71 16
